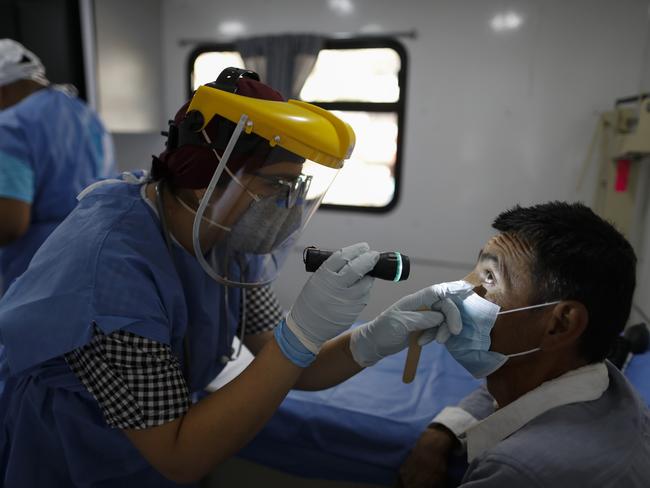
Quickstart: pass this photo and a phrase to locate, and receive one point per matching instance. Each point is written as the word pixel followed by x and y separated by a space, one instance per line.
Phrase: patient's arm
pixel 426 465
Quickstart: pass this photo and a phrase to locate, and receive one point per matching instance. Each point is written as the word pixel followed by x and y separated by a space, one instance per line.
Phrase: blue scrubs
pixel 51 147
pixel 106 263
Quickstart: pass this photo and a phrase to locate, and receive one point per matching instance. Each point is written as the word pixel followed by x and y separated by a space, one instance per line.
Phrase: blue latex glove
pixel 328 304
pixel 428 309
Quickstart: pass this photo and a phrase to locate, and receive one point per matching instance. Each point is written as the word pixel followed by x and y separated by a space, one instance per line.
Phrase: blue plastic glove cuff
pixel 291 347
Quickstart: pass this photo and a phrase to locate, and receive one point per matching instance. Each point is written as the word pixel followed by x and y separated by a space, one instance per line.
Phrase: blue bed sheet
pixel 361 431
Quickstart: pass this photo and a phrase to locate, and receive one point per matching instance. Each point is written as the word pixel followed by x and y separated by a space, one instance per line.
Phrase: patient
pixel 554 413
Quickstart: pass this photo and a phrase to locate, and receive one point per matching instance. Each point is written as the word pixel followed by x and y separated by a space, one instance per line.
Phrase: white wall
pixel 493 119
pixel 129 78
pixel 134 150
pixel 128 53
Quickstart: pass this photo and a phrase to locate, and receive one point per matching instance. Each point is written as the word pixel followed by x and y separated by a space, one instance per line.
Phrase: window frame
pixel 398 107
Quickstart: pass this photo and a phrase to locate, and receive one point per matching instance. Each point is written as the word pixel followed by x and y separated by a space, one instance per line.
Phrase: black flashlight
pixel 392 266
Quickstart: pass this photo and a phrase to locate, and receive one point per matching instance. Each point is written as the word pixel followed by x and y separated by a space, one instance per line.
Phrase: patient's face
pixel 503 275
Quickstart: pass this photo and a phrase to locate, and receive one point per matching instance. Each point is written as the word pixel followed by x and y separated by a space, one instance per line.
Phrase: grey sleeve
pixel 498 471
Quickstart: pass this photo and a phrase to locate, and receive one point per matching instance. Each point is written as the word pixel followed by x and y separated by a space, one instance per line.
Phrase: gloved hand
pixel 428 309
pixel 328 304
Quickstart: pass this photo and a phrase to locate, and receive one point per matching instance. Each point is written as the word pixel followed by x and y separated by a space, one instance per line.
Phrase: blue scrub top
pixel 106 263
pixel 51 147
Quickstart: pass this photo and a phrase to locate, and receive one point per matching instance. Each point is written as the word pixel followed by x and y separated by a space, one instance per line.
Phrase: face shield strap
pixel 188 132
pixel 227 79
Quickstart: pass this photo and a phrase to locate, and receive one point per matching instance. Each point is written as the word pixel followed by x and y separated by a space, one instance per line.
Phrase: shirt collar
pixel 579 385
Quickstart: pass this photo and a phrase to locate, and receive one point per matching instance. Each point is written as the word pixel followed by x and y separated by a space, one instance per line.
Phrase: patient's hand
pixel 426 466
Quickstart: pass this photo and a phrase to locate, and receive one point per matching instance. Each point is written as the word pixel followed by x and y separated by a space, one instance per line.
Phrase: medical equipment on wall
pixel 622 141
pixel 392 266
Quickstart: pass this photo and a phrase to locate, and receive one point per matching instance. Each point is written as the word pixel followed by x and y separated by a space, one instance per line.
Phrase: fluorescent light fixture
pixel 231 28
pixel 341 7
pixel 506 21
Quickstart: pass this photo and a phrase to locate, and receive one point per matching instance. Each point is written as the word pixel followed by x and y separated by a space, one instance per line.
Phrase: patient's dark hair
pixel 578 256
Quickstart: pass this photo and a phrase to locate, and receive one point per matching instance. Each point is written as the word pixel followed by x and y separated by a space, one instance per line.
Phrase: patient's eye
pixel 488 277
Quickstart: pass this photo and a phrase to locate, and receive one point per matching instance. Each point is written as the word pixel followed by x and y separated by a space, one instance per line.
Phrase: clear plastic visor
pixel 259 200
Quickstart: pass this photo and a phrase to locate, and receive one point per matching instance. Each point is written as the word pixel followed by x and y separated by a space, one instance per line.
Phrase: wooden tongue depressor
pixel 413 354
pixel 412 357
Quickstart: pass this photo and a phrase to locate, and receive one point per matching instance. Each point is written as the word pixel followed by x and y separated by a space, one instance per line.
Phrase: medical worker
pixel 129 309
pixel 51 147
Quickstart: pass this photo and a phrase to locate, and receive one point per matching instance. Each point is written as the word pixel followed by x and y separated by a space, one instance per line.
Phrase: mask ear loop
pixel 530 351
pixel 529 307
pixel 237 180
pixel 203 217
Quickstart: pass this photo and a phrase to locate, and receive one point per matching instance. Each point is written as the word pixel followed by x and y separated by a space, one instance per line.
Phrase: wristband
pixel 291 347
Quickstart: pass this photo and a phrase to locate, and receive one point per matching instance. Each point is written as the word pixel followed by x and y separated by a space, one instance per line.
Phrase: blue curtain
pixel 282 61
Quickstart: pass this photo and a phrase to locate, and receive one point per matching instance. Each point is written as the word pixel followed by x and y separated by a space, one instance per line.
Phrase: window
pixel 363 82
pixel 207 66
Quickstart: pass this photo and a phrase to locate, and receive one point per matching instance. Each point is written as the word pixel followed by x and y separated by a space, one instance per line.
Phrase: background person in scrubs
pixel 116 328
pixel 51 147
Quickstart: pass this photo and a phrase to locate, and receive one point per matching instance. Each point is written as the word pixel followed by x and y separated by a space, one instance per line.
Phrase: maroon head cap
pixel 192 166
